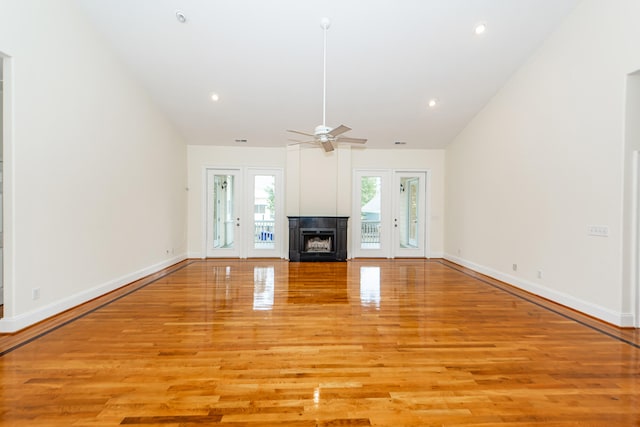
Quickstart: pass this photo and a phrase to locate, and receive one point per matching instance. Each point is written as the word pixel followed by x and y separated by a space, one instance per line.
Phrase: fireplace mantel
pixel 318 238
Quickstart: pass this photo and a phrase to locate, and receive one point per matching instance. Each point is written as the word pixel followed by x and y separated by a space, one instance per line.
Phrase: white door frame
pixel 249 215
pixel 635 237
pixel 236 250
pixel 244 211
pixel 385 215
pixel 423 222
pixel 422 250
pixel 389 242
pixel 8 197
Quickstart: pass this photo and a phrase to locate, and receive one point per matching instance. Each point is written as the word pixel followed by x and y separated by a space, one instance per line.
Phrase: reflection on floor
pixel 358 343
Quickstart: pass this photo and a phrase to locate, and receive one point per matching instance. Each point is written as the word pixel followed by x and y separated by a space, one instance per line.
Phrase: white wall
pixel 321 185
pixel 317 183
pixel 97 187
pixel 544 160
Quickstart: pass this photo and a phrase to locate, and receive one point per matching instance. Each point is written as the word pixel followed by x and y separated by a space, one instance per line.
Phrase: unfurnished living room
pixel 306 213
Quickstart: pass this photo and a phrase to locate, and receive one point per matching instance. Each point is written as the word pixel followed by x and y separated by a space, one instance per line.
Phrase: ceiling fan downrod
pixel 325 24
pixel 322 134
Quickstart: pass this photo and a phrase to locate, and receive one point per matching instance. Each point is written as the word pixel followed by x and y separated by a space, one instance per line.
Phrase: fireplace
pixel 317 241
pixel 317 238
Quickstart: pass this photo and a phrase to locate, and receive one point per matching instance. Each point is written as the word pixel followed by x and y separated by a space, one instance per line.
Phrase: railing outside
pixel 263 231
pixel 370 231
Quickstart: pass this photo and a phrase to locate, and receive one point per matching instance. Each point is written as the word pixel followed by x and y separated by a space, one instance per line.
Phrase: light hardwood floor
pixel 361 343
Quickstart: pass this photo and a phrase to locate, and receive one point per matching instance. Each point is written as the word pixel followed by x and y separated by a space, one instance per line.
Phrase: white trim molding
pixel 616 318
pixel 16 323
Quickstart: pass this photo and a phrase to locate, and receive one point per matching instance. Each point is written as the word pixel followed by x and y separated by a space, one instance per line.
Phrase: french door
pixel 244 213
pixel 409 219
pixel 224 221
pixel 265 214
pixel 371 235
pixel 390 214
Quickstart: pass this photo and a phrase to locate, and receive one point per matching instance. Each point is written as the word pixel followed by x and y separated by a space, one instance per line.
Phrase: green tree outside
pixel 368 189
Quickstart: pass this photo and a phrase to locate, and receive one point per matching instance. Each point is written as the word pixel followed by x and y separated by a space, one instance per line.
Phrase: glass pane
pixel 409 212
pixel 264 202
pixel 223 211
pixel 370 187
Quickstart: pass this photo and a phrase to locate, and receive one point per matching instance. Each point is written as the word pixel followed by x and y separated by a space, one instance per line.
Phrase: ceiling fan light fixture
pixel 322 130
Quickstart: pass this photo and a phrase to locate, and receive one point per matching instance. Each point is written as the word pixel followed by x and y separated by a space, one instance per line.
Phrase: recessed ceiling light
pixel 433 103
pixel 215 97
pixel 181 17
pixel 480 28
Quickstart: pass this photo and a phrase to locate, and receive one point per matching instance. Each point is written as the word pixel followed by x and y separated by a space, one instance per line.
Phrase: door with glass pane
pixel 390 213
pixel 264 220
pixel 224 222
pixel 371 214
pixel 409 217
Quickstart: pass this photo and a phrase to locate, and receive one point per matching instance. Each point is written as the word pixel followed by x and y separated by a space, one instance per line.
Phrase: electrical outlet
pixel 540 275
pixel 35 293
pixel 515 267
pixel 598 230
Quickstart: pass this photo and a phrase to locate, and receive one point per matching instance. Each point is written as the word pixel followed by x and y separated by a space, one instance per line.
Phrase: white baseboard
pixel 16 323
pixel 610 316
pixel 195 255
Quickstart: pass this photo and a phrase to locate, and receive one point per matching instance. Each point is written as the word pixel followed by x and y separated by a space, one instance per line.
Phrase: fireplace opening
pixel 317 241
pixel 318 238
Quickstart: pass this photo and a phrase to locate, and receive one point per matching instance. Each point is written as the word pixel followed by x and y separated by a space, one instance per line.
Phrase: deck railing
pixel 370 231
pixel 263 231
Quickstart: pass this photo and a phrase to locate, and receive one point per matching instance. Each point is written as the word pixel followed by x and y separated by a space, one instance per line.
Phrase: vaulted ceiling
pixel 386 59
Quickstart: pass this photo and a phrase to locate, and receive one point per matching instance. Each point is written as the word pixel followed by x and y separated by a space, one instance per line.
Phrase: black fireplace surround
pixel 318 238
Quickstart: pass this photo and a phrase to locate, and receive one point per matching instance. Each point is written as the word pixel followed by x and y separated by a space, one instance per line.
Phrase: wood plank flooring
pixel 361 343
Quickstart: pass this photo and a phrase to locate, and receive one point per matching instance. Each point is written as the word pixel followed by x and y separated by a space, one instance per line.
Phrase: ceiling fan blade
pixel 305 142
pixel 301 133
pixel 327 145
pixel 339 130
pixel 298 142
pixel 351 140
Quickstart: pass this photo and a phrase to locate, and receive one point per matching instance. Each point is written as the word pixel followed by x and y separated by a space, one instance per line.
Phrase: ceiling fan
pixel 323 134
